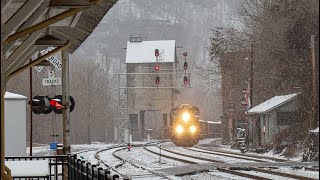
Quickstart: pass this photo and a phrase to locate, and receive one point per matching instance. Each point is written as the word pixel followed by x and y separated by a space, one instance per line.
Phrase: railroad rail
pixel 232 169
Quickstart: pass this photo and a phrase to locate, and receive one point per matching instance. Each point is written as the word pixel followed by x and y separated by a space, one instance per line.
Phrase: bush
pixel 292 135
pixel 311 152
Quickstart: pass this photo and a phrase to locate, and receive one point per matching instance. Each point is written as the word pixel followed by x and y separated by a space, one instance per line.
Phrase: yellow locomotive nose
pixel 193 129
pixel 185 117
pixel 179 129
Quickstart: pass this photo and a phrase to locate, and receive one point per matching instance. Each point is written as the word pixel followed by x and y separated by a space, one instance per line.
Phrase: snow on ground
pixel 147 159
pixel 309 174
pixel 150 161
pixel 216 143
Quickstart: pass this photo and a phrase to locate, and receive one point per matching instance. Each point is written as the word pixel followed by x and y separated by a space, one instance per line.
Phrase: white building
pixel 15 124
pixel 271 117
pixel 149 103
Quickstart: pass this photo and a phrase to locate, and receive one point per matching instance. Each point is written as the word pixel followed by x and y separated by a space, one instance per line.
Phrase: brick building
pixel 235 73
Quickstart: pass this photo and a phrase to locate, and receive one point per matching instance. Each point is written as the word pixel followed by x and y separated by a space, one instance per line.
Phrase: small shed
pixel 271 117
pixel 15 124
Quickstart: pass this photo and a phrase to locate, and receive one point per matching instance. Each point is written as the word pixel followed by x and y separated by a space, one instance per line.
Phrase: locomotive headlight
pixel 179 129
pixel 193 129
pixel 185 117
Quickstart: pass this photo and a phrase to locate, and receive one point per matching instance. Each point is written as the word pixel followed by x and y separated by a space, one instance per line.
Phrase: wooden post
pixel 30 81
pixel 65 111
pixel 251 75
pixel 314 116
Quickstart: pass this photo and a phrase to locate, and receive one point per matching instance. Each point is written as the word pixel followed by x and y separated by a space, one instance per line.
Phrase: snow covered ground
pixel 148 161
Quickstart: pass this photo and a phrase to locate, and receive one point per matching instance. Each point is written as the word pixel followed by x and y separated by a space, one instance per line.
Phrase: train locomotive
pixel 185 125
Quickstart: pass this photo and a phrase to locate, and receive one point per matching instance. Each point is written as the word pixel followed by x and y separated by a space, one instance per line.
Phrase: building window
pixel 165 120
pixel 288 118
pixel 134 121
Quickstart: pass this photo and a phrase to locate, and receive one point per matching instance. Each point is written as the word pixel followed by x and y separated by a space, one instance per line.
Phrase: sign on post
pixel 51 80
pixel 53 145
pixel 52 59
pixel 39 68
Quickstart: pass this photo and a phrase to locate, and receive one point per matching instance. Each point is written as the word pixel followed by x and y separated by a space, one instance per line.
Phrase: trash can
pixel 59 150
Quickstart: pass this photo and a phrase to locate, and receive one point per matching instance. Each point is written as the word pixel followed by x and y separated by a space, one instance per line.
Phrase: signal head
pixel 156 52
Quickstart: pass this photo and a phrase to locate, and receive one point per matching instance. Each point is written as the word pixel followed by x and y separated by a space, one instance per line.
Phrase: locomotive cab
pixel 185 127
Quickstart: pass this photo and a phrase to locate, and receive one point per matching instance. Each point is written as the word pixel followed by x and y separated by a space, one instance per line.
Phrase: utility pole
pixel 65 111
pixel 314 114
pixel 251 74
pixel 30 110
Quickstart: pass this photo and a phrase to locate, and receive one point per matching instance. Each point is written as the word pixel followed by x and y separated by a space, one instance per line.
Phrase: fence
pixel 50 167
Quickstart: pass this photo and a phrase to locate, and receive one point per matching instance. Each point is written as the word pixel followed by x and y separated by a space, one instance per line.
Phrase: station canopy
pixel 144 51
pixel 19 15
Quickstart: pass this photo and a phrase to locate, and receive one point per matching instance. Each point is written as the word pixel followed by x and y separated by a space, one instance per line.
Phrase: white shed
pixel 271 117
pixel 15 124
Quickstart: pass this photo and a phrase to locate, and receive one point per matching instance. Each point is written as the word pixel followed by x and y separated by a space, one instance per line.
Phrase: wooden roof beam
pixel 42 25
pixel 75 19
pixel 21 15
pixel 11 62
pixel 29 22
pixel 5 4
pixel 25 57
pixel 70 3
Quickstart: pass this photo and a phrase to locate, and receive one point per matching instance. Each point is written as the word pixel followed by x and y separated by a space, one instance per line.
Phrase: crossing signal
pixel 37 104
pixel 156 52
pixel 157 80
pixel 56 102
pixel 185 80
pixel 45 105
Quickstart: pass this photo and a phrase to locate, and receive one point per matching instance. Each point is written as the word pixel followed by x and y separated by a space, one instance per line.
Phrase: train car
pixel 204 126
pixel 210 129
pixel 185 125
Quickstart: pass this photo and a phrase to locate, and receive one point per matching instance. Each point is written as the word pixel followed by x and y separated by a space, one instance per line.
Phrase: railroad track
pixel 240 154
pixel 227 154
pixel 231 170
pixel 148 174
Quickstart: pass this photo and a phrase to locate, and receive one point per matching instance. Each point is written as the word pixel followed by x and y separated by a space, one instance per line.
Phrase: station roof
pixel 25 22
pixel 144 51
pixel 75 28
pixel 271 104
pixel 9 95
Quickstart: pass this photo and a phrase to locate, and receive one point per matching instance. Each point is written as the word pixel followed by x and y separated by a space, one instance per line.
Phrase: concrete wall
pixel 15 125
pixel 149 104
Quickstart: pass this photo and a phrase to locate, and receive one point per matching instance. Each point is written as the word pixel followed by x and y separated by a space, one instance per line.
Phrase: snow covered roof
pixel 144 52
pixel 316 130
pixel 271 104
pixel 214 122
pixel 9 95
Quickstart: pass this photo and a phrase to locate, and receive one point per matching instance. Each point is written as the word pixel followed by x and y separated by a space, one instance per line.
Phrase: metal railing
pixel 55 163
pixel 77 168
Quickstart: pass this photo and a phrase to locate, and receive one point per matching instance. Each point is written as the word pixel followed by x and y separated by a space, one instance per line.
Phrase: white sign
pixel 51 81
pixel 52 59
pixel 51 74
pixel 39 68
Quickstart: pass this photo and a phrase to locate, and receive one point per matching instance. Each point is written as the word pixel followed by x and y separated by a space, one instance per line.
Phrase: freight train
pixel 185 125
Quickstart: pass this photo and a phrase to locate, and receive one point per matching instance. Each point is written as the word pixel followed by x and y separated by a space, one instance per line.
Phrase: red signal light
pixel 55 104
pixel 157 67
pixel 185 80
pixel 157 80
